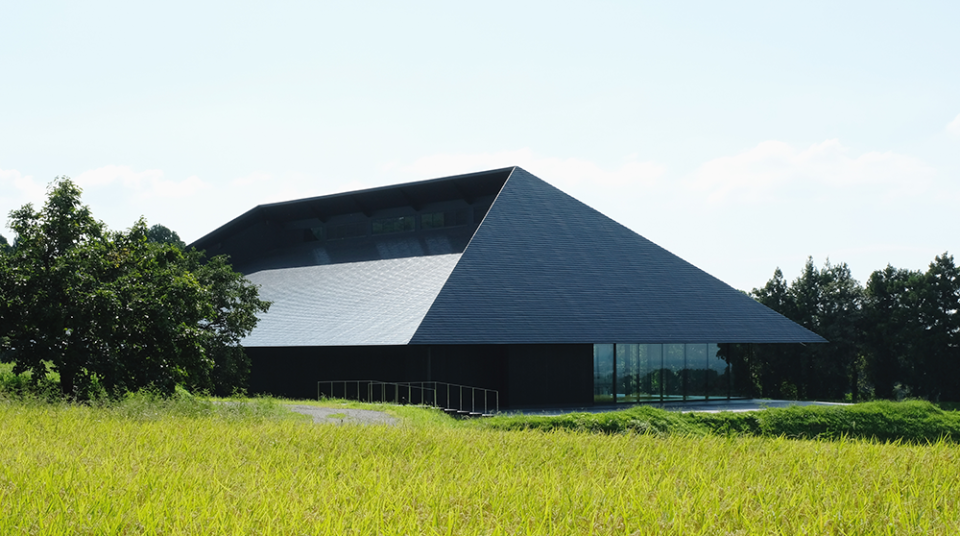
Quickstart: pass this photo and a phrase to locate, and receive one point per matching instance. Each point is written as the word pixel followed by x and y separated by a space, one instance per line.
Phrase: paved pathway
pixel 345 416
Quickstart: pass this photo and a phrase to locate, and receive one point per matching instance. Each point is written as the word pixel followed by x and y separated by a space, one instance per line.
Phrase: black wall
pixel 549 374
pixel 524 375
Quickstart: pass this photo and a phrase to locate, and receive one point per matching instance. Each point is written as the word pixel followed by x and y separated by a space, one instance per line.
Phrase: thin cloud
pixel 125 175
pixel 17 189
pixel 777 171
pixel 149 183
pixel 954 126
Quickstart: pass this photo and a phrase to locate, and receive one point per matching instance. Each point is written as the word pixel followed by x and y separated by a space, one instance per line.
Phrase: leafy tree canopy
pixel 914 330
pixel 160 234
pixel 827 301
pixel 899 335
pixel 117 310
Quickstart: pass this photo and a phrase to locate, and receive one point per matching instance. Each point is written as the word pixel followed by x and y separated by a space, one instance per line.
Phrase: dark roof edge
pixel 388 187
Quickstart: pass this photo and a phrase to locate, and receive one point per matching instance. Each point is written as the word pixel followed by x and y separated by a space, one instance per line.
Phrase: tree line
pixel 896 336
pixel 110 312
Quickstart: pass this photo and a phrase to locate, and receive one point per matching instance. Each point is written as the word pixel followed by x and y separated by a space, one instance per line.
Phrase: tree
pixel 891 317
pixel 913 337
pixel 51 272
pixel 159 234
pixel 827 301
pixel 4 246
pixel 839 315
pixel 115 309
pixel 939 315
pixel 778 366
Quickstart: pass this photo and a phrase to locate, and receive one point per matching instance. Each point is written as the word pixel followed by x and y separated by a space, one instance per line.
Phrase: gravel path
pixel 345 416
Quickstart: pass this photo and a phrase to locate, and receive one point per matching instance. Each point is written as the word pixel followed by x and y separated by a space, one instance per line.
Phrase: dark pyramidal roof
pixel 512 260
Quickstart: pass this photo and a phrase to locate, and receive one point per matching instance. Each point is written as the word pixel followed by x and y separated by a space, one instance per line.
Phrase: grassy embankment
pixel 189 466
pixel 911 421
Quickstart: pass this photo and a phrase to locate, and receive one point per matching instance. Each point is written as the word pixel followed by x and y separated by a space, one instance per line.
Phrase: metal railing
pixel 463 399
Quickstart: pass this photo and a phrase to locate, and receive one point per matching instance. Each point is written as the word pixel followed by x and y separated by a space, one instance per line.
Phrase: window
pixel 642 372
pixel 434 220
pixel 394 225
pixel 604 374
pixel 437 220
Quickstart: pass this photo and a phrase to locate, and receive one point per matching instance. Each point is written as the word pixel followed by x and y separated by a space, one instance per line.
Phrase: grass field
pixel 147 466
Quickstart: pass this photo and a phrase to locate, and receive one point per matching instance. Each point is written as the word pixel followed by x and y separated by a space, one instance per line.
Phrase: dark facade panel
pixel 546 268
pixel 296 246
pixel 549 374
pixel 523 375
pixel 282 235
pixel 293 372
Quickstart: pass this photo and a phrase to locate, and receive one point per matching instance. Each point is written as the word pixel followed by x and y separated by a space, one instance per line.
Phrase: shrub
pixel 911 421
pixel 638 419
pixel 914 421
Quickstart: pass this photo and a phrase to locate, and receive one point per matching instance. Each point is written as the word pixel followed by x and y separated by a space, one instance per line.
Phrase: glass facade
pixel 631 373
pixel 603 373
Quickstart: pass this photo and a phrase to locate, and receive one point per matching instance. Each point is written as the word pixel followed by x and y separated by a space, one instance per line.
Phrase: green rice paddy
pixel 151 467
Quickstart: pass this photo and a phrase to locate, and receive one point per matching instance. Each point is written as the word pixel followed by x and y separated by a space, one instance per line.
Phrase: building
pixel 495 280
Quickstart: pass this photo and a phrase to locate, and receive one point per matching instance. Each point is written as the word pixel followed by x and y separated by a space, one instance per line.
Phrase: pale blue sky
pixel 740 135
